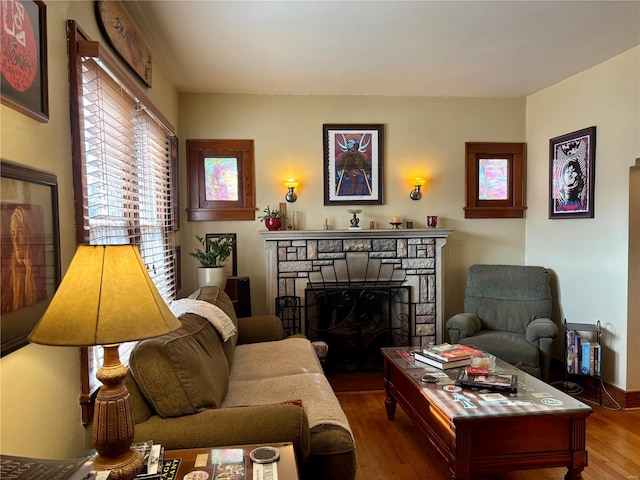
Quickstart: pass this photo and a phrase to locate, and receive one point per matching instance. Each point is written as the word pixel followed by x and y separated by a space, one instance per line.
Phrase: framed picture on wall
pixel 220 180
pixel 353 161
pixel 495 178
pixel 30 246
pixel 24 84
pixel 572 174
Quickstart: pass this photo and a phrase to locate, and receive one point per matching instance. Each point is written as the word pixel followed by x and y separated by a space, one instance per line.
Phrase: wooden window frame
pixel 201 210
pixel 514 205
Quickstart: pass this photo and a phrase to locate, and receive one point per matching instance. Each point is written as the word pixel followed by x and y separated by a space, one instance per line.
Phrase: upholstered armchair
pixel 507 312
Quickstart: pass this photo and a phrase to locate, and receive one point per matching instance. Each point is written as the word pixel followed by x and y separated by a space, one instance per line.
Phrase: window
pixel 122 173
pixel 495 180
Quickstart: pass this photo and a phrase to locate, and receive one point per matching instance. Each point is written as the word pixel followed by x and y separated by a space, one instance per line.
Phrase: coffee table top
pixel 534 396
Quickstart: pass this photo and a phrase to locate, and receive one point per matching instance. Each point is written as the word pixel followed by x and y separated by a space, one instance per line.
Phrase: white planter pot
pixel 215 276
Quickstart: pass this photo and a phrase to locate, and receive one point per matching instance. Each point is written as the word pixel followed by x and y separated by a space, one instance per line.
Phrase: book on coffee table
pixel 500 382
pixel 434 362
pixel 447 353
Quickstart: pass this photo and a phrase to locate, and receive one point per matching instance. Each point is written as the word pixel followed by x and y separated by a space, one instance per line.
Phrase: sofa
pixel 190 389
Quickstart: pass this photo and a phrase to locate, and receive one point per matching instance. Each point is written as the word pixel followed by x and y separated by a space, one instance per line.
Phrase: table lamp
pixel 107 297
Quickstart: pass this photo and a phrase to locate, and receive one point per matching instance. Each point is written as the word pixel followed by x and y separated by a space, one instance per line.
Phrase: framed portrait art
pixel 30 244
pixel 353 164
pixel 572 174
pixel 24 83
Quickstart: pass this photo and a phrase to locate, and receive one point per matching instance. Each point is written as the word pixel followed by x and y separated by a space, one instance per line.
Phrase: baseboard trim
pixel 626 399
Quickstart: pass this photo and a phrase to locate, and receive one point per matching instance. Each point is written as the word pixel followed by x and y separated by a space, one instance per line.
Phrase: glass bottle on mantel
pixel 297 220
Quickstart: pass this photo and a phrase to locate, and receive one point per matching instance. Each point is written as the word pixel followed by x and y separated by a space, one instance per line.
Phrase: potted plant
pixel 215 250
pixel 272 218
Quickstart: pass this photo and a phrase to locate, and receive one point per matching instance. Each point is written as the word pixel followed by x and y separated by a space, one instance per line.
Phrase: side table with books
pixel 229 463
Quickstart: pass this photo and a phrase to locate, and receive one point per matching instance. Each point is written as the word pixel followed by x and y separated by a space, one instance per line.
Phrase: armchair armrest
pixel 231 426
pixel 262 328
pixel 541 328
pixel 462 325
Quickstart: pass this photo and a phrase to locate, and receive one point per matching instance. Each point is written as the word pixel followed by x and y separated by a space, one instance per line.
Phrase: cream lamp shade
pixel 106 297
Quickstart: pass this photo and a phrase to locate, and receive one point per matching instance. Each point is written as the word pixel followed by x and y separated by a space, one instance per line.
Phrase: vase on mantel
pixel 273 223
pixel 214 276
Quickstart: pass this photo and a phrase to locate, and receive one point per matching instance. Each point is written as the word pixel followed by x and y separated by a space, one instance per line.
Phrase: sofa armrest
pixel 231 426
pixel 462 325
pixel 541 328
pixel 262 328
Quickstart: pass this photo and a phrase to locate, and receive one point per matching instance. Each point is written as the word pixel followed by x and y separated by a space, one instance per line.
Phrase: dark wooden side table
pixel 239 291
pixel 287 467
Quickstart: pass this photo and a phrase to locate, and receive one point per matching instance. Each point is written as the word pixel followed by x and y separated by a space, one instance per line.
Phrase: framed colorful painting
pixel 572 160
pixel 495 180
pixel 353 164
pixel 24 82
pixel 30 246
pixel 221 180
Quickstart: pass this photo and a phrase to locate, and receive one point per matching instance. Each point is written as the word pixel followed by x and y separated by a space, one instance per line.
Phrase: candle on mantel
pixel 396 219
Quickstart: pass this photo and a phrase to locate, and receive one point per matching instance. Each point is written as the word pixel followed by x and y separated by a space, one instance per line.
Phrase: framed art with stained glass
pixel 221 180
pixel 495 180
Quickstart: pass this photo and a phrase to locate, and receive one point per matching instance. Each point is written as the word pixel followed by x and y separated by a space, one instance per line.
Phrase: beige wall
pixel 423 136
pixel 40 386
pixel 590 256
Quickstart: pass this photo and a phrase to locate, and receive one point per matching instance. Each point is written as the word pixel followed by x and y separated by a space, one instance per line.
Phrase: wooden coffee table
pixel 484 432
pixel 287 467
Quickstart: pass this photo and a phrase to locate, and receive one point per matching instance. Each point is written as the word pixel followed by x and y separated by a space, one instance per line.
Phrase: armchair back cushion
pixel 508 298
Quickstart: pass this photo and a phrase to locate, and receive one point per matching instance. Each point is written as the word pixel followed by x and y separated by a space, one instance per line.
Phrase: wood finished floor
pixel 396 449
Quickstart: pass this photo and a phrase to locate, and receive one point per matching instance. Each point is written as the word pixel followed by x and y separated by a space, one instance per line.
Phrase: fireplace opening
pixel 357 306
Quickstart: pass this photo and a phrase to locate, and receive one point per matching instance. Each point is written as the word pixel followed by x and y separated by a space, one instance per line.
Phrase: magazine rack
pixel 594 365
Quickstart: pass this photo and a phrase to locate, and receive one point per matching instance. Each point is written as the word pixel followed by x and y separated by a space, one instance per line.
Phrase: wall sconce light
pixel 291 196
pixel 417 182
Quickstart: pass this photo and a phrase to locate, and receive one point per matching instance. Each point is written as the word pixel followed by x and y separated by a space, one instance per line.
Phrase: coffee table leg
pixel 574 474
pixel 390 406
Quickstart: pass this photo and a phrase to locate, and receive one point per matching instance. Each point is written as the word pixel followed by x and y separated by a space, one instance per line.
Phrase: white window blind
pixel 127 175
pixel 127 194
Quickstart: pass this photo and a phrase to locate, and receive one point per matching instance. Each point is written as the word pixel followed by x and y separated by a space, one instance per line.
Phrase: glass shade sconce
pixel 291 196
pixel 417 183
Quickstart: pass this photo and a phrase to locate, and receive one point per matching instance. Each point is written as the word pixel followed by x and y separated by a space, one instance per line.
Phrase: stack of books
pixel 445 355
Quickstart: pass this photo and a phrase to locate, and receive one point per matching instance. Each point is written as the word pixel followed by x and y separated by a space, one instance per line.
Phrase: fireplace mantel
pixel 291 255
pixel 271 235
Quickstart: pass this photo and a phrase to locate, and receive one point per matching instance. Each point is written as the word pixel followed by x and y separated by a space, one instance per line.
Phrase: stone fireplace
pixel 393 276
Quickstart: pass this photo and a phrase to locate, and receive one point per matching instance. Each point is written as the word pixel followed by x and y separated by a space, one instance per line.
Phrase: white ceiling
pixel 426 48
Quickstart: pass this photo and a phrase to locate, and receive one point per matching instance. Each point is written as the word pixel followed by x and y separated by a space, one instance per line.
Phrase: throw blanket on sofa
pixel 220 320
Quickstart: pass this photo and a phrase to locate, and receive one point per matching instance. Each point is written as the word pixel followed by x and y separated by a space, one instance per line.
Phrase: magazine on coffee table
pixel 501 382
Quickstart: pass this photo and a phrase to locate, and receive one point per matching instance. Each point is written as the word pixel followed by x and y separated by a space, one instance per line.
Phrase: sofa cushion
pixel 189 363
pixel 290 356
pixel 318 399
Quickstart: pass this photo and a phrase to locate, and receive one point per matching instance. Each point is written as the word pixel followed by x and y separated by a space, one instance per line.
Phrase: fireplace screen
pixel 357 306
